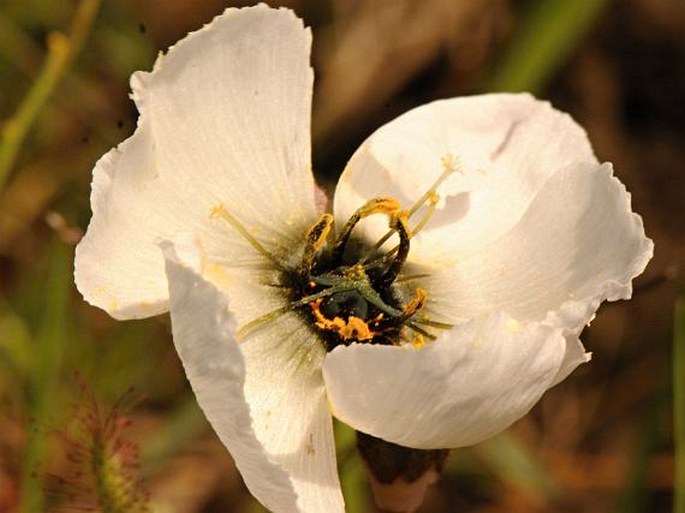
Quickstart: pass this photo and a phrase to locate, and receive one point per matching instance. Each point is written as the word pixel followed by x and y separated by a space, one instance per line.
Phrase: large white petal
pixel 507 145
pixel 578 244
pixel 224 121
pixel 471 383
pixel 264 397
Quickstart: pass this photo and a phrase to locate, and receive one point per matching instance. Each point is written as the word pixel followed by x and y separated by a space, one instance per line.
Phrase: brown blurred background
pixel 601 441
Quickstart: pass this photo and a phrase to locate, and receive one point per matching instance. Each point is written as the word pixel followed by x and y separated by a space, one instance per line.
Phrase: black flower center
pixel 349 293
pixel 349 290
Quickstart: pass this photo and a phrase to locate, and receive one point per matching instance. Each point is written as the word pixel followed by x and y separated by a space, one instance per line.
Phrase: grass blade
pixel 52 342
pixel 61 51
pixel 542 42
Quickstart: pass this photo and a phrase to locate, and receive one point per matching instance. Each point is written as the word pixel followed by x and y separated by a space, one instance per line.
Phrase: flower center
pixel 351 294
pixel 351 291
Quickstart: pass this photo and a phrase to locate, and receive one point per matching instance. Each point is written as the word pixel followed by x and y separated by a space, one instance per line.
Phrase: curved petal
pixel 470 384
pixel 578 244
pixel 505 147
pixel 574 356
pixel 264 398
pixel 224 125
pixel 116 267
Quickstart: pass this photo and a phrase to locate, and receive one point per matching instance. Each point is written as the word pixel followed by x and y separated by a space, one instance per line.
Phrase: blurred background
pixel 74 437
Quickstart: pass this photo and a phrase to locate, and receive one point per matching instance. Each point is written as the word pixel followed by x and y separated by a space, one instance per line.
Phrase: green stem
pixel 61 52
pixel 351 469
pixel 547 35
pixel 679 405
pixel 52 340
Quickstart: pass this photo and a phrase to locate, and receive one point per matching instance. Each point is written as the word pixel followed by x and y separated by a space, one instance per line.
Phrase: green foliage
pixel 61 51
pixel 543 41
pixel 48 352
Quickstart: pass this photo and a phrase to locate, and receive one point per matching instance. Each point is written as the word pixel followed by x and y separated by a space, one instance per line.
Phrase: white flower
pixel 207 211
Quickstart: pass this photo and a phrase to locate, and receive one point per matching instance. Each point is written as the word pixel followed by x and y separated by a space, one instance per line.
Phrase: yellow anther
pixel 317 234
pixel 315 239
pixel 401 216
pixel 388 206
pixel 356 329
pixel 416 303
pixel 321 320
pixel 449 163
pixel 217 210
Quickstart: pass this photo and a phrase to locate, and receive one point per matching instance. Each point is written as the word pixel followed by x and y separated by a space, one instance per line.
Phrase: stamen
pixel 416 302
pixel 260 321
pixel 219 211
pixel 315 239
pixel 410 277
pixel 430 210
pixel 417 329
pixel 387 206
pixel 432 202
pixel 449 165
pixel 433 324
pixel 399 224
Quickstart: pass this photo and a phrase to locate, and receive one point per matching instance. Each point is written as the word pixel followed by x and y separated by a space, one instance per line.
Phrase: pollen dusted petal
pixel 225 120
pixel 467 386
pixel 265 402
pixel 504 147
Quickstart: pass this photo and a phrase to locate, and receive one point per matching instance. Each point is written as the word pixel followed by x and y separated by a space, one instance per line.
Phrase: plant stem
pixel 61 52
pixel 52 341
pixel 547 35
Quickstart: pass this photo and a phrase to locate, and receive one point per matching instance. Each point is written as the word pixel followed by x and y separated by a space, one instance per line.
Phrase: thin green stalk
pixel 679 405
pixel 354 484
pixel 353 479
pixel 542 42
pixel 61 52
pixel 52 341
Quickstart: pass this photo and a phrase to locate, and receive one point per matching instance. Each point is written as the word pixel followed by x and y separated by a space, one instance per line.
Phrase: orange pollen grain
pixel 354 328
